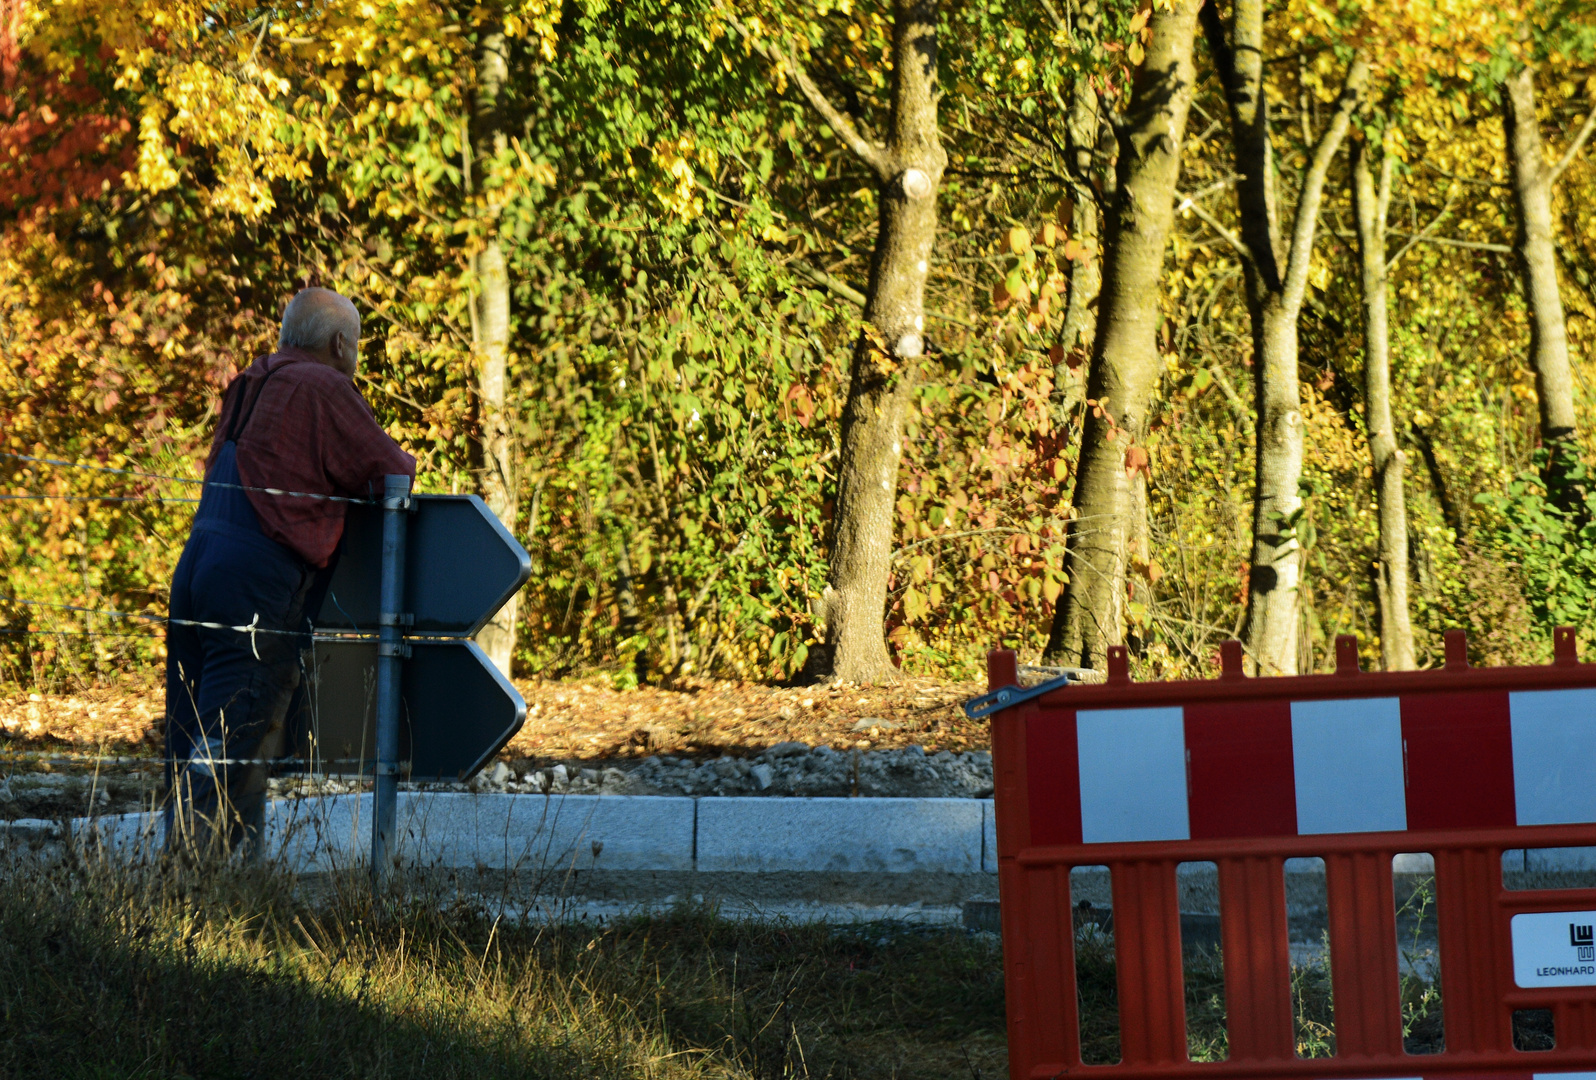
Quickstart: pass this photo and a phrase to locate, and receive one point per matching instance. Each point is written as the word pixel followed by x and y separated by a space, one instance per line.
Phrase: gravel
pixel 789 768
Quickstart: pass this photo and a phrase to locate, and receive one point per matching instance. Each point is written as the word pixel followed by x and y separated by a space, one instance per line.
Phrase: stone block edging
pixel 605 832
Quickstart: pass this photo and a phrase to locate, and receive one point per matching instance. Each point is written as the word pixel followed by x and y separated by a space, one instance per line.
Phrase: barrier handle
pixel 978 708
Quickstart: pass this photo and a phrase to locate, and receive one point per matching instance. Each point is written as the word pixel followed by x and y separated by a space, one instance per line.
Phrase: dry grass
pixel 158 971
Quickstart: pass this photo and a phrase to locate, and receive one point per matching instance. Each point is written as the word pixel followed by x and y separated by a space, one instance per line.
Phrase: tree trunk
pixel 1391 577
pixel 1274 300
pixel 1532 197
pixel 492 338
pixel 1273 606
pixel 885 355
pixel 1086 274
pixel 1125 364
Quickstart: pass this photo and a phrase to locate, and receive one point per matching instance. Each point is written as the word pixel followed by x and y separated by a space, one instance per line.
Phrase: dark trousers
pixel 228 692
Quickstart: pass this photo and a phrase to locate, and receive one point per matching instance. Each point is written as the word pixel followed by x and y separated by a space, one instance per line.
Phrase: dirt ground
pixel 585 720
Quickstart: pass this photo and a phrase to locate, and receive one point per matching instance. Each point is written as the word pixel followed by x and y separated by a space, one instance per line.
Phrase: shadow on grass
pixel 154 970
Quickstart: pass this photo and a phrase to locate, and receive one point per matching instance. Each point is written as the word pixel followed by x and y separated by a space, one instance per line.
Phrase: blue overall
pixel 228 692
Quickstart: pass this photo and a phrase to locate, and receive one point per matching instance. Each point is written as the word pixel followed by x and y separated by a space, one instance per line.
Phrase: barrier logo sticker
pixel 1554 948
pixel 1583 938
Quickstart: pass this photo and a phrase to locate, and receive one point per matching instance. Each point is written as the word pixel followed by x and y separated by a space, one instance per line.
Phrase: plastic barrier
pixel 1353 768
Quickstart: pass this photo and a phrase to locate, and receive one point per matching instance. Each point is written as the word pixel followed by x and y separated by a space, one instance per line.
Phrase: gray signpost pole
pixel 391 651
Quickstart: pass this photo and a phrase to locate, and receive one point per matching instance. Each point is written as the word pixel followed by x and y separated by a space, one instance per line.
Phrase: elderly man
pixel 292 422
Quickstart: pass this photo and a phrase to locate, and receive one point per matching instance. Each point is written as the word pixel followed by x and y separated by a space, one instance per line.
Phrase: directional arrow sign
pixel 461 565
pixel 457 710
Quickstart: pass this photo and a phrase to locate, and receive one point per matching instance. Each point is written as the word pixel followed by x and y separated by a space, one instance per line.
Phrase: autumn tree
pixel 1371 208
pixel 1125 362
pixel 1276 265
pixel 1533 179
pixel 907 164
pixel 1084 138
pixel 490 320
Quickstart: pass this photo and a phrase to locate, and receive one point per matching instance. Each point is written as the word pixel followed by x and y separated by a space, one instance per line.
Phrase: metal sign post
pixel 391 651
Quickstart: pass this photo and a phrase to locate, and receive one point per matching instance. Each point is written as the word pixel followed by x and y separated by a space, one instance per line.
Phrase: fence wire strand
pixel 93 498
pixel 60 463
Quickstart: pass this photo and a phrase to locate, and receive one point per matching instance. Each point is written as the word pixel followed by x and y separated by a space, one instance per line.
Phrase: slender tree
pixel 908 170
pixel 1532 183
pixel 490 330
pixel 1276 270
pixel 1082 135
pixel 1125 362
pixel 1370 207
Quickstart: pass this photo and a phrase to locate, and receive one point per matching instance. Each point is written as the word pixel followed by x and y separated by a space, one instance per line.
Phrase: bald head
pixel 324 324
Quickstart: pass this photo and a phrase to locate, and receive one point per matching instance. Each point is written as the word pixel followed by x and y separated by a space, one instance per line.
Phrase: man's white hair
pixel 312 318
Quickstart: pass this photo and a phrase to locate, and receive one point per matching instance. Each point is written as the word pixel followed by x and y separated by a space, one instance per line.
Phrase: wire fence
pixel 65 758
pixel 153 622
pixel 253 628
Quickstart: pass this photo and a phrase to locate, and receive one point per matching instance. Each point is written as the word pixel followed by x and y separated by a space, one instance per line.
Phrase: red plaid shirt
pixel 309 430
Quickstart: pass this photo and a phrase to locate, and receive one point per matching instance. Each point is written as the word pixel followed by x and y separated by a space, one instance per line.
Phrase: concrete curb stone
pixel 839 834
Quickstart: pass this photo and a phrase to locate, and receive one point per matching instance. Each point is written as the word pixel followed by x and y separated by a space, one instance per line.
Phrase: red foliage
pixel 61 141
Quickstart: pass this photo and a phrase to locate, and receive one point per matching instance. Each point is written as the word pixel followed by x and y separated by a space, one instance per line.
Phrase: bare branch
pixel 837 287
pixel 1188 202
pixel 1419 237
pixel 1573 148
pixel 831 284
pixel 874 156
pixel 1382 204
pixel 1447 241
pixel 1228 181
pixel 1238 407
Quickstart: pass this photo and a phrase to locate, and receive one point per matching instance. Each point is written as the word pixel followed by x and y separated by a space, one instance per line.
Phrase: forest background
pixel 1163 323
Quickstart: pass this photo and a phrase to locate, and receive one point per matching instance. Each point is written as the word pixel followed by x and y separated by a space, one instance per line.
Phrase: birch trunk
pixel 491 325
pixel 1532 198
pixel 1125 363
pixel 1277 278
pixel 1391 572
